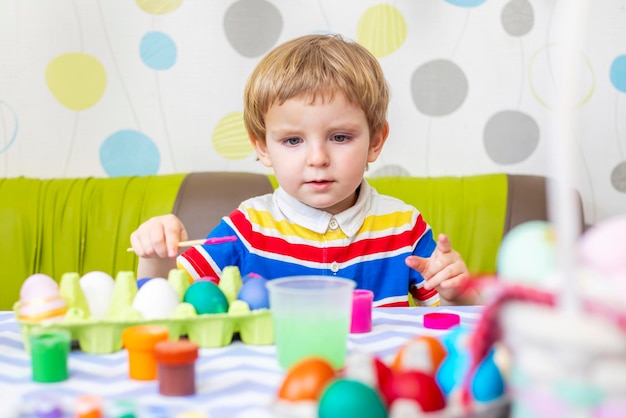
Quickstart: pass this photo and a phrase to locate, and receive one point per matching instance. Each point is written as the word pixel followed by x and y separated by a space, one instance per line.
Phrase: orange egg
pixel 306 380
pixel 423 353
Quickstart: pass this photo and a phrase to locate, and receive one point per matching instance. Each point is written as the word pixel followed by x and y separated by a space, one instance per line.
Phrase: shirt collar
pixel 350 220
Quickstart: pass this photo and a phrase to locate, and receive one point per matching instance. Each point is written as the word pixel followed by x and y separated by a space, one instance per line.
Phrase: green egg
pixel 350 398
pixel 206 298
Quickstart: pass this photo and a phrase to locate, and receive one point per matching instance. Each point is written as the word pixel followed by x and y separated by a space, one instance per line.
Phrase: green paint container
pixel 49 351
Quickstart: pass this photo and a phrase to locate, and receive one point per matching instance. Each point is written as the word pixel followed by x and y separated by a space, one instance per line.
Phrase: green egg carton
pixel 104 335
pixel 208 330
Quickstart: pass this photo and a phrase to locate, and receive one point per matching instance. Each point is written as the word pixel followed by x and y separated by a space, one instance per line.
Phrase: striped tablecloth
pixel 238 380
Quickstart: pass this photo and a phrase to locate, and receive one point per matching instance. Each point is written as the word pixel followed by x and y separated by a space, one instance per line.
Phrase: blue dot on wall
pixel 618 73
pixel 129 153
pixel 158 51
pixel 466 3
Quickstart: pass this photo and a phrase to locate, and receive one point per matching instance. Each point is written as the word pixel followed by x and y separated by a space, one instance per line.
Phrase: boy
pixel 315 111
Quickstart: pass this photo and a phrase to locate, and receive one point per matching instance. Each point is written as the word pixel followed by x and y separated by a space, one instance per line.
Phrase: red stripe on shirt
pixel 312 253
pixel 198 262
pixel 394 305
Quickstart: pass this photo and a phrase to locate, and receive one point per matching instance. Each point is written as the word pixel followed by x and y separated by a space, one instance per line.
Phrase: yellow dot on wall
pixel 158 7
pixel 230 138
pixel 381 29
pixel 76 80
pixel 547 78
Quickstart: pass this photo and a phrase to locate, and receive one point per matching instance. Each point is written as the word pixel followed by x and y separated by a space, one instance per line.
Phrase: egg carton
pixel 207 330
pixel 100 330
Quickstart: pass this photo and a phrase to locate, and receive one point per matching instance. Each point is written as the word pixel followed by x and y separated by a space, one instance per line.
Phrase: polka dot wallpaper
pixel 119 87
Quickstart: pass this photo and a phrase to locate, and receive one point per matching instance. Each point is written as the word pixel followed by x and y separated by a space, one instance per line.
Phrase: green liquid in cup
pixel 297 339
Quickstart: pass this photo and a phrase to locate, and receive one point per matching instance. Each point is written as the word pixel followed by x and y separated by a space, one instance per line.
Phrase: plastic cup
pixel 311 316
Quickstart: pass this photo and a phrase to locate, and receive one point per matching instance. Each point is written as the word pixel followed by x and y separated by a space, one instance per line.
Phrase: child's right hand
pixel 158 237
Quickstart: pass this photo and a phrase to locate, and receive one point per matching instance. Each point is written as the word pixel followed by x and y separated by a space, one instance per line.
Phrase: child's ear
pixel 377 141
pixel 260 147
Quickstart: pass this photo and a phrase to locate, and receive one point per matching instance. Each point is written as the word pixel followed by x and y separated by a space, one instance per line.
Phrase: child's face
pixel 319 151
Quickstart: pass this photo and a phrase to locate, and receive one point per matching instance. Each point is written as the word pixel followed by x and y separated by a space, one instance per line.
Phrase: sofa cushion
pixel 471 210
pixel 55 226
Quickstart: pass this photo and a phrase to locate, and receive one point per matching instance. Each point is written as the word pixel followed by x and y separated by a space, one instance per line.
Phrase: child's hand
pixel 444 270
pixel 158 237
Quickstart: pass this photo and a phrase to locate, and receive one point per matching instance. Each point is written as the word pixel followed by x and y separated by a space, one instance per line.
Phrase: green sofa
pixel 54 226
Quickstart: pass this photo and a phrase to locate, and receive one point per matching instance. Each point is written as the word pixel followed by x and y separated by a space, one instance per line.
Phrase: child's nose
pixel 318 156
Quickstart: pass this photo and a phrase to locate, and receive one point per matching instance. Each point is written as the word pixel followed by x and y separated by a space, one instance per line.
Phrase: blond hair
pixel 314 65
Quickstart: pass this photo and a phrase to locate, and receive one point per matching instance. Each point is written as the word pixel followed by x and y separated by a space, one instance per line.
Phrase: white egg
pixel 156 299
pixel 98 289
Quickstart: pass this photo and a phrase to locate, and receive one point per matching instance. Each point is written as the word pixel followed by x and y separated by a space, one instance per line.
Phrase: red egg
pixel 306 380
pixel 418 386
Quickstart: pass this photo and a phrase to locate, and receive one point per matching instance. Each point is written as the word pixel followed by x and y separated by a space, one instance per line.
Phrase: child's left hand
pixel 444 270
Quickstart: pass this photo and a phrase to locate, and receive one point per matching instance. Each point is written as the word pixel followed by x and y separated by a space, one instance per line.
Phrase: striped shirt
pixel 279 236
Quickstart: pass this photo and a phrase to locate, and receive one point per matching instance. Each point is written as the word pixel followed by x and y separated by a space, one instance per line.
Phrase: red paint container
pixel 176 367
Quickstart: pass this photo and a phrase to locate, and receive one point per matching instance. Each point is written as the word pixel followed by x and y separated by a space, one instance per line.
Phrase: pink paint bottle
pixel 362 301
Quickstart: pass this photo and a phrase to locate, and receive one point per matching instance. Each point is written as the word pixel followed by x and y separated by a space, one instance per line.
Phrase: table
pixel 236 381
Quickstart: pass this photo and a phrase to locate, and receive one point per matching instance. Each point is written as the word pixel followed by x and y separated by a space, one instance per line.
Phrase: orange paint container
pixel 176 367
pixel 140 341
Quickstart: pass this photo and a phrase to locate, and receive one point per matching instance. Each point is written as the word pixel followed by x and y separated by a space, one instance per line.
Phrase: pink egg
pixel 38 285
pixel 43 309
pixel 40 300
pixel 602 246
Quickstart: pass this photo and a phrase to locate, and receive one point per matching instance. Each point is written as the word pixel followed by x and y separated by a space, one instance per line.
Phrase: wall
pixel 119 87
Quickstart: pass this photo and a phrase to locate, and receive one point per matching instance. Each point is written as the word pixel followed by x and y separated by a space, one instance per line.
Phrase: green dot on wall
pixel 230 138
pixel 76 80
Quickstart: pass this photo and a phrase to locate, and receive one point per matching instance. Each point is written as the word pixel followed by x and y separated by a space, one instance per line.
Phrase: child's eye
pixel 340 138
pixel 292 141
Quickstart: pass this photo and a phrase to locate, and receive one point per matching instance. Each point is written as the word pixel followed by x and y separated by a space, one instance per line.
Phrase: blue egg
pixel 251 276
pixel 142 281
pixel 254 293
pixel 487 382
